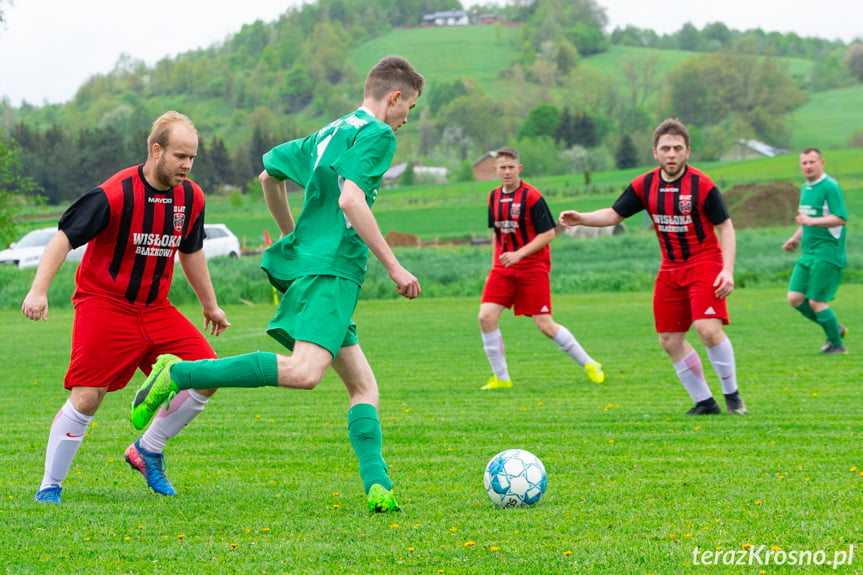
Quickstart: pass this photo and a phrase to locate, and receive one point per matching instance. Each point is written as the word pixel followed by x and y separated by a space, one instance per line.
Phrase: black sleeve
pixel 628 204
pixel 86 218
pixel 195 240
pixel 490 212
pixel 714 207
pixel 541 216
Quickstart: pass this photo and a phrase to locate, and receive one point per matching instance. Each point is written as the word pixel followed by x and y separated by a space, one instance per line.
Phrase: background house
pixel 483 168
pixel 748 149
pixel 446 18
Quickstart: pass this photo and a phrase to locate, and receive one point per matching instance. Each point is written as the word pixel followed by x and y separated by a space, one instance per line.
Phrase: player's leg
pixel 710 314
pixel 672 318
pixel 797 288
pixel 497 294
pixel 823 284
pixel 106 345
pixel 492 344
pixel 364 427
pixel 169 331
pixel 567 343
pixel 67 434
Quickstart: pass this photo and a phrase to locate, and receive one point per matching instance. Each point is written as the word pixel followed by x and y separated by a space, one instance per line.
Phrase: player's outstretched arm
pixel 196 270
pixel 594 219
pixel 352 201
pixel 276 196
pixel 35 305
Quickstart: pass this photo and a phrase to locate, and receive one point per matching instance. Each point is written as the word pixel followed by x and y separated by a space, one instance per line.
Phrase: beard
pixel 167 178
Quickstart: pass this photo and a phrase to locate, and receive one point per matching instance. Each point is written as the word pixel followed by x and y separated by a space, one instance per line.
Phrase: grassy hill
pixel 828 119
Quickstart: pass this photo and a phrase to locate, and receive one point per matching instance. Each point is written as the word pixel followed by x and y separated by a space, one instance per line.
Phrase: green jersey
pixel 357 147
pixel 823 198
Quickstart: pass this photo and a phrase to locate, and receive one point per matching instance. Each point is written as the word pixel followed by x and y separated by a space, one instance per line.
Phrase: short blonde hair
pixel 161 131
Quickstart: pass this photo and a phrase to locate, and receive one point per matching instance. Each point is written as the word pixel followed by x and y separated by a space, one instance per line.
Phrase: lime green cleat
pixel 382 500
pixel 594 372
pixel 497 383
pixel 156 390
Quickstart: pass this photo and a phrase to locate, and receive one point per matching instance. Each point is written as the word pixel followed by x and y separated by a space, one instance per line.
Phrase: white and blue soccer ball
pixel 515 478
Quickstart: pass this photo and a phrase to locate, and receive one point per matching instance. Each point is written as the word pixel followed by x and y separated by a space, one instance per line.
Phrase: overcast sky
pixel 49 48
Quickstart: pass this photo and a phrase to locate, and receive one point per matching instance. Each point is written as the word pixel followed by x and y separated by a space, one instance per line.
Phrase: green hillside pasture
pixel 615 60
pixel 828 119
pixel 267 480
pixel 447 53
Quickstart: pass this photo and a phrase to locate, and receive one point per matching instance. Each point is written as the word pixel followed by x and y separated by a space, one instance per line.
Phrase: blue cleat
pixel 50 494
pixel 151 466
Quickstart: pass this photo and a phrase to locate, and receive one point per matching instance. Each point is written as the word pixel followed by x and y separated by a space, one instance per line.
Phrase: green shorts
pixel 817 280
pixel 317 309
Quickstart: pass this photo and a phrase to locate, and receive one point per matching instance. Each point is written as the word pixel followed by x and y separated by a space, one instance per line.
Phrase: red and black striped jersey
pixel 132 232
pixel 517 217
pixel 684 213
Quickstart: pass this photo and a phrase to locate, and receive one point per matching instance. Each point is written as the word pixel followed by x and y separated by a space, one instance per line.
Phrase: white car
pixel 220 241
pixel 27 252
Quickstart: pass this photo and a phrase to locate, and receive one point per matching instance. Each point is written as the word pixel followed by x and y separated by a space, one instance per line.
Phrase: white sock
pixel 691 375
pixel 570 346
pixel 67 433
pixel 722 359
pixel 493 344
pixel 184 407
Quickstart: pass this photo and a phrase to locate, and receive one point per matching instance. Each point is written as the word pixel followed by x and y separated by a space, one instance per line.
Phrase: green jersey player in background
pixel 818 272
pixel 319 265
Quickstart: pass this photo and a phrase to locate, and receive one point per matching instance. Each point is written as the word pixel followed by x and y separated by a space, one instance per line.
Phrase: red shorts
pixel 684 295
pixel 111 340
pixel 528 292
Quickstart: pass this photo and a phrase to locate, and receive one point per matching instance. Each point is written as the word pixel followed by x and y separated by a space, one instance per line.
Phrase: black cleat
pixel 843 331
pixel 834 349
pixel 706 407
pixel 734 404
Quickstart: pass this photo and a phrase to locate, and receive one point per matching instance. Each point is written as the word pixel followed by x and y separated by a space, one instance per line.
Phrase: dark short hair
pixel 809 150
pixel 390 74
pixel 507 152
pixel 671 127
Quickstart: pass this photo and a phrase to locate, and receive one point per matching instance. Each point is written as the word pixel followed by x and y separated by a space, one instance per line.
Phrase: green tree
pixel 854 60
pixel 626 155
pixel 14 187
pixel 541 121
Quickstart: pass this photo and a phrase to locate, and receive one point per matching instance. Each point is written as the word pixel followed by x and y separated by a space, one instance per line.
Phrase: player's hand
pixel 569 218
pixel 406 284
pixel 215 321
pixel 35 306
pixel 790 244
pixel 803 219
pixel 510 258
pixel 724 284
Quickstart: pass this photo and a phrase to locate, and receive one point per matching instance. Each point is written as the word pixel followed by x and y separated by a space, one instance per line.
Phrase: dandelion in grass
pixel 494 549
pixel 567 553
pixel 853 469
pixel 394 526
pixel 411 549
pixel 469 543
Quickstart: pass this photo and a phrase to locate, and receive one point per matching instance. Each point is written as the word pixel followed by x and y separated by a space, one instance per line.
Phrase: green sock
pixel 806 310
pixel 257 369
pixel 364 430
pixel 828 322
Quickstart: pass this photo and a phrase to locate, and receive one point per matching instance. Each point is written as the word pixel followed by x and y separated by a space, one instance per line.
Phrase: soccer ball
pixel 515 478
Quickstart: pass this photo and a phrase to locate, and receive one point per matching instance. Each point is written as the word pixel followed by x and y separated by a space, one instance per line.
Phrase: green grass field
pixel 268 482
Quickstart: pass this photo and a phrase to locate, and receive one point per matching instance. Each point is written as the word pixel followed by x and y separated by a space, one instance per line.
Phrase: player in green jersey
pixel 818 272
pixel 319 265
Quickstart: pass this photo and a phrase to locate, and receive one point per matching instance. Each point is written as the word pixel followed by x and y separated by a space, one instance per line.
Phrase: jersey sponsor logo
pixel 672 224
pixel 155 200
pixel 667 189
pixel 507 226
pixel 685 204
pixel 710 311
